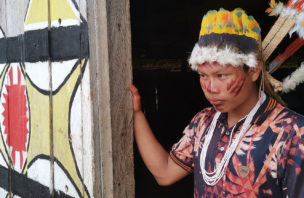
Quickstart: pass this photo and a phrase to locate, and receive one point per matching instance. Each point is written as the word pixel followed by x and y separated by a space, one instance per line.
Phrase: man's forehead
pixel 214 67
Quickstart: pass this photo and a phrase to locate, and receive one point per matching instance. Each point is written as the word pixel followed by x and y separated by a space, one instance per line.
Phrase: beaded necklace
pixel 213 177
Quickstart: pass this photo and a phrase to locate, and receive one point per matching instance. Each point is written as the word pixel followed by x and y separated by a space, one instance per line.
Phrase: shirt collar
pixel 260 116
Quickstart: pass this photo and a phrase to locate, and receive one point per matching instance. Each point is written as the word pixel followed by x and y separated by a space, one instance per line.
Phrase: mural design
pixel 45 97
pixel 14 116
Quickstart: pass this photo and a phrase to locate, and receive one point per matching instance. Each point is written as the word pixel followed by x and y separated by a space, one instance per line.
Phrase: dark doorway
pixel 165 31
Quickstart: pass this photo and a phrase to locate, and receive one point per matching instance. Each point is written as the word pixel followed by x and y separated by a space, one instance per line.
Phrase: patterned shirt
pixel 267 162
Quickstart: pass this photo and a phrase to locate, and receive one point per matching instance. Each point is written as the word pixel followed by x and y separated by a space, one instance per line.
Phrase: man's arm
pixel 156 158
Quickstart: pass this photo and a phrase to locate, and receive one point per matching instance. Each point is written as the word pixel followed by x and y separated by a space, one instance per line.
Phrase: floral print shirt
pixel 271 151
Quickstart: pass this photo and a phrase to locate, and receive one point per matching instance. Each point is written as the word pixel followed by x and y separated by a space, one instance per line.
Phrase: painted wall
pixel 45 98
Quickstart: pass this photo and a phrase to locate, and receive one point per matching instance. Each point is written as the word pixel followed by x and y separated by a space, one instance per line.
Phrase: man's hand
pixel 158 161
pixel 136 99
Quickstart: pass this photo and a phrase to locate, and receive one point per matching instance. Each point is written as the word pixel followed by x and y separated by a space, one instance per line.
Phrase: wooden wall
pixel 110 47
pixel 50 97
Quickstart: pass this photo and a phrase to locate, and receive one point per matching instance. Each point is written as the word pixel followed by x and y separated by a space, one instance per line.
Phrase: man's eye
pixel 202 76
pixel 222 75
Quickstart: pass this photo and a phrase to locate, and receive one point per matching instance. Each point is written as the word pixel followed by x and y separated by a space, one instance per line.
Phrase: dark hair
pixel 267 86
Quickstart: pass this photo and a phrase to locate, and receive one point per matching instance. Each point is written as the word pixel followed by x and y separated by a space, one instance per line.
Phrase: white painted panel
pixel 2 66
pixel 40 172
pixel 87 131
pixel 15 17
pixel 63 182
pixel 65 23
pixel 83 8
pixel 39 74
pixel 76 129
pixel 2 15
pixel 3 193
pixel 60 71
pixel 2 161
pixel 1 33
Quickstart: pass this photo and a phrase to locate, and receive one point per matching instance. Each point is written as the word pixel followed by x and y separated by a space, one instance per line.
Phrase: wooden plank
pixel 87 117
pixel 97 28
pixel 15 121
pixel 39 167
pixel 29 175
pixel 68 67
pixel 110 47
pixel 120 65
pixel 4 157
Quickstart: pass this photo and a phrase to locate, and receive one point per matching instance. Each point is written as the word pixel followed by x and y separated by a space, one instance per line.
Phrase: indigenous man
pixel 248 144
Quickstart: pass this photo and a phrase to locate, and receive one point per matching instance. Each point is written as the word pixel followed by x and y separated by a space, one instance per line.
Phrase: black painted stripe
pixel 3 50
pixel 26 187
pixel 64 43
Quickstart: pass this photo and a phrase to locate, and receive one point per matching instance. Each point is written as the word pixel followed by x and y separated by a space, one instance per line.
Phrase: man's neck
pixel 242 110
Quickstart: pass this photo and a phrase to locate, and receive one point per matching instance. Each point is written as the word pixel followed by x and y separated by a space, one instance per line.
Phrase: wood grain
pixel 110 55
pixel 4 158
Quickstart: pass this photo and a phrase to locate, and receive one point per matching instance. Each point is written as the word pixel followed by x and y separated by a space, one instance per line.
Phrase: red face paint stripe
pixel 209 87
pixel 204 87
pixel 229 86
pixel 240 87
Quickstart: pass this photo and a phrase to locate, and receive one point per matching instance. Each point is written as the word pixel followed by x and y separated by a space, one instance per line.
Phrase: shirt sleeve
pixel 291 167
pixel 181 152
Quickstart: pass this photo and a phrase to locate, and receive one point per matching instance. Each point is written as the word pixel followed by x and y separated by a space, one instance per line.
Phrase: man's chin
pixel 221 108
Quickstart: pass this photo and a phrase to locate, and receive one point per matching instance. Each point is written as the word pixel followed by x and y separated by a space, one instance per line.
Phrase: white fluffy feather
pixel 289 12
pixel 225 56
pixel 298 27
pixel 300 18
pixel 297 77
pixel 278 9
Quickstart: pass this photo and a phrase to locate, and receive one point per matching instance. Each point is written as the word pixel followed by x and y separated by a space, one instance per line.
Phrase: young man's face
pixel 226 87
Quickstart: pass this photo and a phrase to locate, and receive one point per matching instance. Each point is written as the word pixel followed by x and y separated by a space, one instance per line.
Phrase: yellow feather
pixel 236 22
pixel 269 10
pixel 210 19
pixel 272 3
pixel 244 19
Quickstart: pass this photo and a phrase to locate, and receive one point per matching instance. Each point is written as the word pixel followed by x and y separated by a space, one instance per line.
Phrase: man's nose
pixel 212 87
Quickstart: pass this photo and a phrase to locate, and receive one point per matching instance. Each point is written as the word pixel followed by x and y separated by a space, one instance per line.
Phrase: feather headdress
pixel 291 19
pixel 227 38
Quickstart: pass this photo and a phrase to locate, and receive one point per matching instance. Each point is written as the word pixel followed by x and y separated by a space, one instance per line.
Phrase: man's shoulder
pixel 285 115
pixel 207 112
pixel 202 115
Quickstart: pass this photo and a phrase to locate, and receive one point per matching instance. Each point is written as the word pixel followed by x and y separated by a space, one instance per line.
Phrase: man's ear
pixel 255 71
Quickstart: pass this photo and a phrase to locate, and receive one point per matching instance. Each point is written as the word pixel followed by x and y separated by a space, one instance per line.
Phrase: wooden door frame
pixel 111 73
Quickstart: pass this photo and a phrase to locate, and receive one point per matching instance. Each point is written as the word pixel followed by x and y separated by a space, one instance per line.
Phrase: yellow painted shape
pixel 37 12
pixel 62 149
pixel 39 123
pixel 2 146
pixel 61 9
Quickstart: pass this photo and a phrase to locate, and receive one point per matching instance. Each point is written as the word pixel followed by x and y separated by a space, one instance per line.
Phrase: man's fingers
pixel 133 89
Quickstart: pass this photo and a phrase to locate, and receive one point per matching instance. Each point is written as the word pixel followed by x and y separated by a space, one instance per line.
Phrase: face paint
pixel 209 87
pixel 233 82
pixel 235 86
pixel 204 86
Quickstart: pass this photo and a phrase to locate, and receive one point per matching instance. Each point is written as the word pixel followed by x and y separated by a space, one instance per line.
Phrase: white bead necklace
pixel 212 178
